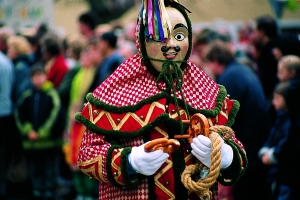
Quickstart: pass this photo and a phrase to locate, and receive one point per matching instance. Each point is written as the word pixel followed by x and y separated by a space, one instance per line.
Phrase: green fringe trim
pixel 208 113
pixel 212 113
pixel 233 113
pixel 142 40
pixel 119 134
pixel 131 181
pixel 236 168
pixel 100 104
pixel 164 118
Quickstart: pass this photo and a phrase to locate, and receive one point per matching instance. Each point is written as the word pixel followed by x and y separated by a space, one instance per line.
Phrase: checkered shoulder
pixel 132 82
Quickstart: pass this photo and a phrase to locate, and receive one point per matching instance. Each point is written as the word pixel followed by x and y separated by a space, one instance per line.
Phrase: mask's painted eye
pixel 179 36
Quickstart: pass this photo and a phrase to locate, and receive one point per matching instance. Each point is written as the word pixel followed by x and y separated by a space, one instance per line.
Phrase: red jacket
pixel 58 70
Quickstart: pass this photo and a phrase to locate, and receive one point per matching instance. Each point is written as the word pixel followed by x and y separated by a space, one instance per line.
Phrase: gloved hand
pixel 226 154
pixel 201 149
pixel 146 163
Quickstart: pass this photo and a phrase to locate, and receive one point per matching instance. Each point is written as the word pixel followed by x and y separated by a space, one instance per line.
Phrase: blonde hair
pixel 20 44
pixel 291 63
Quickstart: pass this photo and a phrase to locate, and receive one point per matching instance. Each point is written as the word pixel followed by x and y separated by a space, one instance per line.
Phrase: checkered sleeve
pixel 92 156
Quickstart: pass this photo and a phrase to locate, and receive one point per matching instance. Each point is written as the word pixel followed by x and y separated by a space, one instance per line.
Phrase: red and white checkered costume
pixel 124 110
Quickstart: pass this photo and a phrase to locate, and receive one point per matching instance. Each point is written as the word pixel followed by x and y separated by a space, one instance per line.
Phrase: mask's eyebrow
pixel 179 26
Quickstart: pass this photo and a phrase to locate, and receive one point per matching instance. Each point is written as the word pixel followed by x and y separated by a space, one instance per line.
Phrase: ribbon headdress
pixel 156 20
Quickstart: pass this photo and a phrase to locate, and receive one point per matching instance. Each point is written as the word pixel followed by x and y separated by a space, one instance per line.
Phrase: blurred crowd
pixel 44 79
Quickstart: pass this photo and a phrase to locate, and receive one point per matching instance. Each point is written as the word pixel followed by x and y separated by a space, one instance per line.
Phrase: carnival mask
pixel 165 37
pixel 173 48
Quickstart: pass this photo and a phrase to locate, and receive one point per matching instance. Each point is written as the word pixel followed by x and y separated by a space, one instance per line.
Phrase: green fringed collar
pixel 163 118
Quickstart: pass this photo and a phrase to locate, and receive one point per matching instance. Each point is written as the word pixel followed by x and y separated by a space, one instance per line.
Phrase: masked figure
pixel 149 96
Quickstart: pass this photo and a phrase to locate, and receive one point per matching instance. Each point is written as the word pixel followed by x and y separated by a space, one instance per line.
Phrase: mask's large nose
pixel 170 44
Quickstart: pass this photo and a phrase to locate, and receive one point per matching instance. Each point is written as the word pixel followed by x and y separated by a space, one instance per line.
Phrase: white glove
pixel 226 155
pixel 146 163
pixel 201 149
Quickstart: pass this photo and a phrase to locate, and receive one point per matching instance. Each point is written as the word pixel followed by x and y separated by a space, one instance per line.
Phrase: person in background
pixel 79 81
pixel 34 36
pixel 288 67
pixel 252 123
pixel 292 150
pixel 37 115
pixel 73 46
pixel 271 154
pixel 127 49
pixel 201 40
pixel 207 36
pixel 103 28
pixel 288 43
pixel 5 32
pixel 87 23
pixel 54 61
pixel 14 180
pixel 112 58
pixel 19 51
pixel 263 38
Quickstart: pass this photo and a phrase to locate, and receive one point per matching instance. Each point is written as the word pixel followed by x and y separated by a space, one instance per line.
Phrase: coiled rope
pixel 201 186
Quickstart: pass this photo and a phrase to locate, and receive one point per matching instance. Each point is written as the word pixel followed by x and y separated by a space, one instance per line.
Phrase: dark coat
pixel 252 125
pixel 278 138
pixel 40 110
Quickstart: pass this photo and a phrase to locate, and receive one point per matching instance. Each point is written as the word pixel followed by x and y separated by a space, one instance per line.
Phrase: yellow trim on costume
pixel 164 133
pixel 225 114
pixel 88 167
pixel 173 116
pixel 142 122
pixel 188 157
pixel 159 174
pixel 118 168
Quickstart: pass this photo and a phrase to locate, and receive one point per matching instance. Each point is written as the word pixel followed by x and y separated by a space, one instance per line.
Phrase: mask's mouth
pixel 170 55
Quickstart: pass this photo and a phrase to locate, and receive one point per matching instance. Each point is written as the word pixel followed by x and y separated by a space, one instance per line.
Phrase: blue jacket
pixel 252 123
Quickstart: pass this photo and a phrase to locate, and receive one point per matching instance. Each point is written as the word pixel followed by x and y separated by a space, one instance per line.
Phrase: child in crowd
pixel 37 116
pixel 271 153
pixel 288 66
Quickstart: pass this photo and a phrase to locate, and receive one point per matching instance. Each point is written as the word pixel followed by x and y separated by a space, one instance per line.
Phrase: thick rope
pixel 224 131
pixel 201 186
